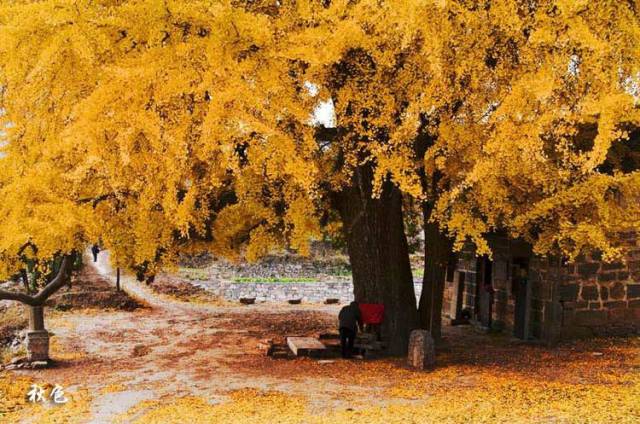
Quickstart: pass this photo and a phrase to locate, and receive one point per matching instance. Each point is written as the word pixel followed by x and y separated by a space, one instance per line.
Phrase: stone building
pixel 536 298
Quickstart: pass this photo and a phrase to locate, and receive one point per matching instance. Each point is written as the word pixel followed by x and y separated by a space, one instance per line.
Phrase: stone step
pixel 305 346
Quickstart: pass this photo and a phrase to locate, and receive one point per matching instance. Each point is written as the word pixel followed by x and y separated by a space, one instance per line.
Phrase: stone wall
pixel 309 292
pixel 595 298
pixel 585 298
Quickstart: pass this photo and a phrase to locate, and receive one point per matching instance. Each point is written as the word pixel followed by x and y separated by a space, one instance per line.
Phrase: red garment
pixel 372 313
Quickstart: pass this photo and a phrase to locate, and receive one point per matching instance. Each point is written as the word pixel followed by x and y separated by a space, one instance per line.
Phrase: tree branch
pixel 53 286
pixel 108 196
pixel 20 297
pixel 60 280
pixel 25 280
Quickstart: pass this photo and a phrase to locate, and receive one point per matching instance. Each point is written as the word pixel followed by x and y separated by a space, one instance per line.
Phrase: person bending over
pixel 349 318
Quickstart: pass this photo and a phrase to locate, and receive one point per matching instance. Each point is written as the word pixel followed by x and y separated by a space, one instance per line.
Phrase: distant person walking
pixel 95 249
pixel 350 319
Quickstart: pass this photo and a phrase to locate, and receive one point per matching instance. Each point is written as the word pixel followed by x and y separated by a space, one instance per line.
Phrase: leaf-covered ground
pixel 179 362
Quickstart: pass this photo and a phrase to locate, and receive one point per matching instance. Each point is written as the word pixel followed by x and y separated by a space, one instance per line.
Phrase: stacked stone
pixel 602 298
pixel 422 354
pixel 309 292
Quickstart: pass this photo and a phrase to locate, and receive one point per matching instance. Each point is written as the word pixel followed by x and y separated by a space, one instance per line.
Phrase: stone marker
pixel 37 342
pixel 305 345
pixel 422 353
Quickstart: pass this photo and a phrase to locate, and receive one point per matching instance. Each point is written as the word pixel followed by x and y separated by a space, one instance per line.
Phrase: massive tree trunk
pixel 437 256
pixel 379 256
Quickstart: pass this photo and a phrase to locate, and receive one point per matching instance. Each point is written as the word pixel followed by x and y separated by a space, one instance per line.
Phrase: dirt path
pixel 178 359
pixel 170 349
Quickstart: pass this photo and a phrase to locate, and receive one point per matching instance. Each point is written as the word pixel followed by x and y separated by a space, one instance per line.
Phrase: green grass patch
pixel 345 273
pixel 194 273
pixel 274 280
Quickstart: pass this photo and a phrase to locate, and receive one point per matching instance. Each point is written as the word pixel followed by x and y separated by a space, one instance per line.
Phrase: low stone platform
pixel 308 292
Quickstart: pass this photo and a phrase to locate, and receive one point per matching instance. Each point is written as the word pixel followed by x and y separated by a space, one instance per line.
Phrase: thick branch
pixel 20 297
pixel 60 280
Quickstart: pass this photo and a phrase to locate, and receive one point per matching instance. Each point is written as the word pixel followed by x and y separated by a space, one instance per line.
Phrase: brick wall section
pixel 503 302
pixel 309 292
pixel 586 298
pixel 601 298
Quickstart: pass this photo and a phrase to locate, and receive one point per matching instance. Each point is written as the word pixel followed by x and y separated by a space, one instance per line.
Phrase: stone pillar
pixel 37 341
pixel 37 344
pixel 422 353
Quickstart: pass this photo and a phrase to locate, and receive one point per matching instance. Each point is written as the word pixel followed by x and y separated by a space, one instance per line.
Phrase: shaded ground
pixel 91 291
pixel 182 290
pixel 87 292
pixel 12 321
pixel 198 362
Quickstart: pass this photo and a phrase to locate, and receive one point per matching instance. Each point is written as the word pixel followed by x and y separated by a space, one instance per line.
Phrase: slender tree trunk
pixel 437 256
pixel 438 248
pixel 25 280
pixel 379 256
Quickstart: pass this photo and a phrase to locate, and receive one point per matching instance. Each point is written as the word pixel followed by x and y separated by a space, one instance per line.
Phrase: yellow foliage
pixel 157 126
pixel 15 406
pixel 437 396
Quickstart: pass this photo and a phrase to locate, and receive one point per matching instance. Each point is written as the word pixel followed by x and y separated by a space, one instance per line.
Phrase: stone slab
pixel 304 346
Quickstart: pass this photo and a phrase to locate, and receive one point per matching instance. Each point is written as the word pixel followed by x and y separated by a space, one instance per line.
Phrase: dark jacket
pixel 350 317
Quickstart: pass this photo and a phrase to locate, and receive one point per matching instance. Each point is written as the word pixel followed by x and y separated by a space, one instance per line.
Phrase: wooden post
pixel 118 279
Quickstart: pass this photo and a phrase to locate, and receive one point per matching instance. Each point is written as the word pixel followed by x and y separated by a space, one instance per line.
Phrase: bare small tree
pixel 37 342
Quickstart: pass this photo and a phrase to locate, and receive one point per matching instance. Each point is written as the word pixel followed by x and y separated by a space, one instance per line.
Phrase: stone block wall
pixel 503 302
pixel 309 292
pixel 585 298
pixel 598 298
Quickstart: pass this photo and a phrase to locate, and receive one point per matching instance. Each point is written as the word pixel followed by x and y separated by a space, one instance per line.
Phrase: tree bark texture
pixel 437 256
pixel 374 231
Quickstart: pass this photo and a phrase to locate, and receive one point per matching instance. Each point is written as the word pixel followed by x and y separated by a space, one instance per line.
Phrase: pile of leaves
pixel 278 325
pixel 182 290
pixel 15 406
pixel 595 381
pixel 91 291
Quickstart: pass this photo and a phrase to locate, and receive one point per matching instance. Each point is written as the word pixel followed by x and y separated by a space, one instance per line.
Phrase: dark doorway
pixel 458 300
pixel 484 291
pixel 520 293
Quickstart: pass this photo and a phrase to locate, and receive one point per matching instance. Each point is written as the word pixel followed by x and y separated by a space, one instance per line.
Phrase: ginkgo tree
pixel 476 109
pixel 136 178
pixel 163 127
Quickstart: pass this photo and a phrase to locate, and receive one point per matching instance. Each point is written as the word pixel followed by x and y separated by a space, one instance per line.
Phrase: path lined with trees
pixel 164 128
